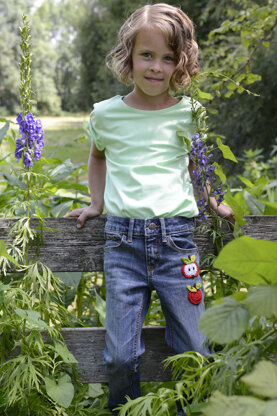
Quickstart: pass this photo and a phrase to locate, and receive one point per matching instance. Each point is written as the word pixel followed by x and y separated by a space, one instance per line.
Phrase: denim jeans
pixel 141 256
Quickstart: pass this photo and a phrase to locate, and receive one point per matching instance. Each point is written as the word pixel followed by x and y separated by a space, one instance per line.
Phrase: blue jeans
pixel 141 256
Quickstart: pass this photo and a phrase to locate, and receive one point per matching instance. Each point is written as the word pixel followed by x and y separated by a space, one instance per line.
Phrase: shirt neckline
pixel 138 110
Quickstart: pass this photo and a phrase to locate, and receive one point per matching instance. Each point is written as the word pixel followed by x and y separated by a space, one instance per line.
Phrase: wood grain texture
pixel 87 345
pixel 66 248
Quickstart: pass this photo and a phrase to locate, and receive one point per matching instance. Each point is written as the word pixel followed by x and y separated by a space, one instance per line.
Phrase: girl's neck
pixel 148 103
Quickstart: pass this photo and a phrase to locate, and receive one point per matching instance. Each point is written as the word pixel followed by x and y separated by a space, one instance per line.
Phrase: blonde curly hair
pixel 179 32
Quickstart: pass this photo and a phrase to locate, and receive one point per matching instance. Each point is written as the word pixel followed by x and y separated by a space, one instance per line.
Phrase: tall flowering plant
pixel 30 142
pixel 207 176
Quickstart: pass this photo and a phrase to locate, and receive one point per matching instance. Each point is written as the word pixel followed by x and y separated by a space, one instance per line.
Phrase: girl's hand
pixel 83 214
pixel 226 212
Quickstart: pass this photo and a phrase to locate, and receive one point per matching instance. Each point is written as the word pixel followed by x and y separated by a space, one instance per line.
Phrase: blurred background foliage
pixel 70 39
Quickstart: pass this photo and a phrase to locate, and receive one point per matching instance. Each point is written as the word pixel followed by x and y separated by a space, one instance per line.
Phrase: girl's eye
pixel 169 58
pixel 146 54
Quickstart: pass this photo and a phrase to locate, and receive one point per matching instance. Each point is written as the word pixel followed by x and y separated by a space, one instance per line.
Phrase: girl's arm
pixel 222 210
pixel 97 181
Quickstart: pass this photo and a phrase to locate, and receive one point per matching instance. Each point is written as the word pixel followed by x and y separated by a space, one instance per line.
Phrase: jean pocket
pixel 182 242
pixel 113 240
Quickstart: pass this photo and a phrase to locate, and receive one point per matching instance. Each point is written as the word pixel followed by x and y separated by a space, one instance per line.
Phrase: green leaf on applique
pixel 263 379
pixel 186 260
pixel 198 285
pixel 226 322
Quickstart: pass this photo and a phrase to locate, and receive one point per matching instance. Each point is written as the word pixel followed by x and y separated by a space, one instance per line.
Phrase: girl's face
pixel 153 64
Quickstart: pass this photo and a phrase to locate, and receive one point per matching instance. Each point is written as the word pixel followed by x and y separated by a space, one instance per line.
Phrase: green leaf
pixel 4 130
pixel 255 207
pixel 236 207
pixel 61 209
pixel 63 351
pixel 226 322
pixel 205 95
pixel 226 151
pixel 246 181
pixel 249 260
pixel 100 307
pixel 32 318
pixel 219 172
pixel 4 253
pixel 270 208
pixel 95 390
pixel 61 391
pixel 270 409
pixel 252 78
pixel 70 278
pixel 220 405
pixel 262 300
pixel 263 379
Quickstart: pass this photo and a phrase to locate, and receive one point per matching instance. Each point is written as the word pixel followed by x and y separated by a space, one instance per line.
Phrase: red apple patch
pixel 190 268
pixel 195 294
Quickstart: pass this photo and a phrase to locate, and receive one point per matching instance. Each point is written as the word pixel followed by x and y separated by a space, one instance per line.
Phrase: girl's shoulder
pixel 107 105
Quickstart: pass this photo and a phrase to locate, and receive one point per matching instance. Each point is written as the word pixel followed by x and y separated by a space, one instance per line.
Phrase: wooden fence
pixel 66 248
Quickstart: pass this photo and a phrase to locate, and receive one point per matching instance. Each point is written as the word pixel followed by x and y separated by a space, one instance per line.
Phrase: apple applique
pixel 190 268
pixel 195 294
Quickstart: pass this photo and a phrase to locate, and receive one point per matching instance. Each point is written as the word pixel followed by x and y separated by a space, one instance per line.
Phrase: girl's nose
pixel 155 65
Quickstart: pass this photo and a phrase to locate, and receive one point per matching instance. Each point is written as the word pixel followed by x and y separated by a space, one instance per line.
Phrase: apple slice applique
pixel 195 294
pixel 190 268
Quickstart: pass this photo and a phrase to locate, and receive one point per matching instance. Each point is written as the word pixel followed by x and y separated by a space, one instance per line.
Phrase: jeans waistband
pixel 149 226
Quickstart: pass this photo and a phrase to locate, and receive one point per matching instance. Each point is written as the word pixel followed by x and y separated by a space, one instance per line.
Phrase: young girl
pixel 140 167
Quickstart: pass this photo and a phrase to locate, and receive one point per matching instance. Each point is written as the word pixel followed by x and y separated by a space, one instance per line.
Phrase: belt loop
pixel 162 221
pixel 131 228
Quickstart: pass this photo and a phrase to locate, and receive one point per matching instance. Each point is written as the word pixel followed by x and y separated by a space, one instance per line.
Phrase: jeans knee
pixel 118 363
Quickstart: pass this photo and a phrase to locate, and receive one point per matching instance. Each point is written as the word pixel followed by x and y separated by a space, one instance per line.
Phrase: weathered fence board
pixel 87 345
pixel 66 248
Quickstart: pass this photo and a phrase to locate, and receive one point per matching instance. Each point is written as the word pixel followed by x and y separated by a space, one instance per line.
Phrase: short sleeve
pixel 93 131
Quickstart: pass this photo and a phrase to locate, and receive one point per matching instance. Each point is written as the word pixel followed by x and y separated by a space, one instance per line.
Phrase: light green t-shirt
pixel 147 161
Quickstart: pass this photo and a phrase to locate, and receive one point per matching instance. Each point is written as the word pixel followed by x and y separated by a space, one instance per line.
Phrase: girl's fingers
pixel 75 213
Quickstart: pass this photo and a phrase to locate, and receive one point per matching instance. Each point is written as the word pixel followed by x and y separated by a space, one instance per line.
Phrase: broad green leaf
pixel 270 409
pixel 262 300
pixel 61 209
pixel 32 318
pixel 226 151
pixel 95 390
pixel 220 405
pixel 100 307
pixel 205 95
pixel 249 260
pixel 70 278
pixel 63 351
pixel 263 379
pixel 219 172
pixel 63 171
pixel 4 130
pixel 61 391
pixel 236 207
pixel 255 207
pixel 270 208
pixel 226 322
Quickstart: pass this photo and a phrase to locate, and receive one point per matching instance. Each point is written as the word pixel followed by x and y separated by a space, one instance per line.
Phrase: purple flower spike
pixel 202 173
pixel 30 144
